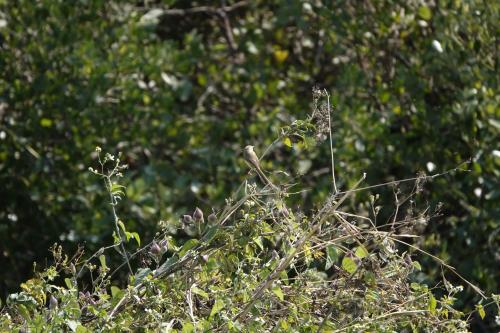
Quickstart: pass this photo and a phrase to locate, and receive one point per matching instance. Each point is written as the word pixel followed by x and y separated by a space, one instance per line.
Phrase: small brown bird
pixel 253 160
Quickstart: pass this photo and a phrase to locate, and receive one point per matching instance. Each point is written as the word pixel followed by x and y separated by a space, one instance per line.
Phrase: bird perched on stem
pixel 253 160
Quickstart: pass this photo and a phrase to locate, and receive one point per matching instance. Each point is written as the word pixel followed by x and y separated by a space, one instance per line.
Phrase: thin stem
pixel 440 261
pixel 397 208
pixel 96 254
pixel 115 220
pixel 395 182
pixel 268 148
pixel 335 190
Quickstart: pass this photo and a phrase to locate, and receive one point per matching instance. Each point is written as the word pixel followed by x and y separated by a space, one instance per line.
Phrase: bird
pixel 253 160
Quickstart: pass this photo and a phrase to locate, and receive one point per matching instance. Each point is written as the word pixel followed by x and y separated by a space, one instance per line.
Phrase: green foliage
pixel 413 85
pixel 257 267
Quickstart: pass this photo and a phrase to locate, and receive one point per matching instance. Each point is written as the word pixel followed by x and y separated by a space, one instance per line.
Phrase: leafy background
pixel 181 86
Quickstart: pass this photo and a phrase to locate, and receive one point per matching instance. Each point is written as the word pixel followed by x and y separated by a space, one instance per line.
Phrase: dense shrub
pixel 254 265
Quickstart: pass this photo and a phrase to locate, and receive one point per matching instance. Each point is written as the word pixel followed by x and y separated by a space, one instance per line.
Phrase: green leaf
pixel 349 264
pixel 284 277
pixel 166 265
pixel 332 256
pixel 81 329
pixel 188 246
pixel 137 238
pixel 480 310
pixel 69 283
pixel 46 122
pixel 425 13
pixel 122 226
pixel 370 278
pixel 210 233
pixel 187 328
pixel 416 265
pixel 141 274
pixel 199 292
pixel 278 292
pixel 258 241
pixel 116 292
pixel 116 240
pixel 432 303
pixel 361 252
pixel 384 96
pixel 23 311
pixel 117 189
pixel 287 142
pixel 102 259
pixel 218 305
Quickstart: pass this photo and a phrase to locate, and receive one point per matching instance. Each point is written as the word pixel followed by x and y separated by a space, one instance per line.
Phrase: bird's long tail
pixel 264 179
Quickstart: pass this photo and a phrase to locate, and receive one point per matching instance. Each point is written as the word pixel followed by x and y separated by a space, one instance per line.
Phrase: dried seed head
pixel 198 214
pixel 212 218
pixel 187 219
pixel 164 245
pixel 155 249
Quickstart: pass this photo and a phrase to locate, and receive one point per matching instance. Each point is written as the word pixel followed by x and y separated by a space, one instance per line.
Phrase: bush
pixel 255 265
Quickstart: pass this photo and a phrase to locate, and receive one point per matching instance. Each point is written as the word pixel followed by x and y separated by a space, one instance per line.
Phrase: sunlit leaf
pixel 432 303
pixel 416 265
pixel 218 305
pixel 361 252
pixel 278 292
pixel 349 264
pixel 102 259
pixel 200 292
pixel 68 283
pixel 137 238
pixel 280 55
pixel 46 122
pixel 188 328
pixel 425 13
pixel 480 310
pixel 116 292
pixel 258 241
pixel 287 142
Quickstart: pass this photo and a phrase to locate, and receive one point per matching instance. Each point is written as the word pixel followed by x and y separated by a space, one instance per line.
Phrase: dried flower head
pixel 155 249
pixel 163 245
pixel 321 114
pixel 212 218
pixel 198 214
pixel 187 219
